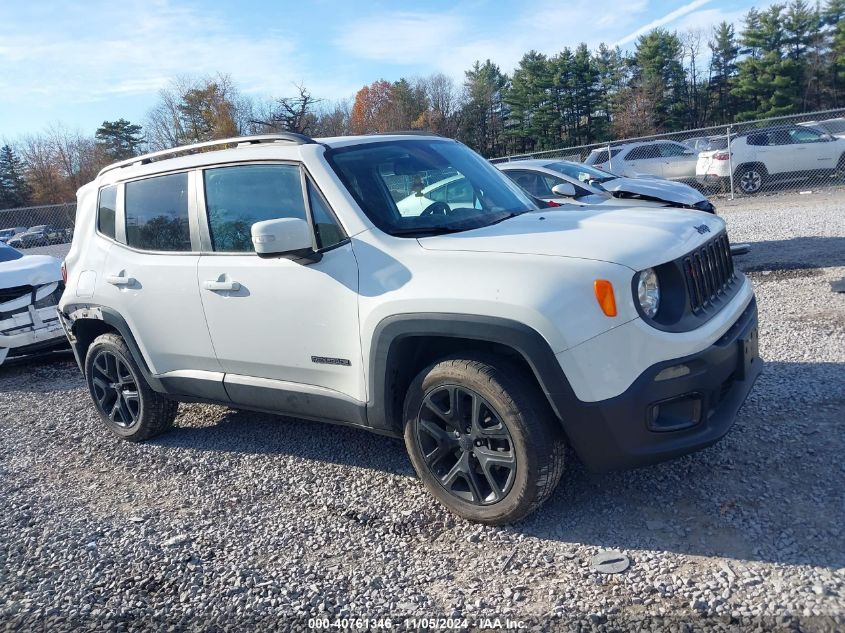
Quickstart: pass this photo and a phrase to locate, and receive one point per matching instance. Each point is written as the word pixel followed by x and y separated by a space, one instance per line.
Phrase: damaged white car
pixel 565 182
pixel 30 288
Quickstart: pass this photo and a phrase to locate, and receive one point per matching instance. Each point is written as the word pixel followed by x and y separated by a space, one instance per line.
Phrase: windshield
pixel 424 187
pixel 584 173
pixel 7 253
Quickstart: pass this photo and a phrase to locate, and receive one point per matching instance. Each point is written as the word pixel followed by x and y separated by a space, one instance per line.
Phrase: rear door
pixel 643 160
pixel 780 155
pixel 151 271
pixel 678 161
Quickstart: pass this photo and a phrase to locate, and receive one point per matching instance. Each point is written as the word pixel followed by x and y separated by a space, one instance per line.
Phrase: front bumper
pixel 30 330
pixel 626 432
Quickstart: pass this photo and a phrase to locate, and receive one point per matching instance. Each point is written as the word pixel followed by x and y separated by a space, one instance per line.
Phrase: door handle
pixel 218 286
pixel 120 280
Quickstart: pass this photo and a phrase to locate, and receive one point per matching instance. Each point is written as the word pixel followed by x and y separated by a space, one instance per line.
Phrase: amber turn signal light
pixel 604 295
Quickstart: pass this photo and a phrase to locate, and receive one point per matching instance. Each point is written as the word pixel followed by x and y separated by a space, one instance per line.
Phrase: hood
pixel 657 189
pixel 30 270
pixel 635 237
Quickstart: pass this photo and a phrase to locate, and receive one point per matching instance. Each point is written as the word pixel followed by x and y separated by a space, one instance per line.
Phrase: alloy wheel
pixel 466 445
pixel 751 181
pixel 115 389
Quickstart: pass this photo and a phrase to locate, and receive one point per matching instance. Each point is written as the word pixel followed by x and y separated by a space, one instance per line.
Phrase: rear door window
pixel 157 213
pixel 532 182
pixel 643 152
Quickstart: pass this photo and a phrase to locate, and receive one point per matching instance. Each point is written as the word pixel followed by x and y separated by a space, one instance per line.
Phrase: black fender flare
pixel 74 313
pixel 522 339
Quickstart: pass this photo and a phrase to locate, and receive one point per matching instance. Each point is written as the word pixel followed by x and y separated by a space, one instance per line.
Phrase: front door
pixel 275 322
pixel 813 150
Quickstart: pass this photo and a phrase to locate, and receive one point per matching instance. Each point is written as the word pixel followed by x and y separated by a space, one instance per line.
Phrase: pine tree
pixel 833 22
pixel 14 190
pixel 612 71
pixel 483 119
pixel 658 69
pixel 120 139
pixel 724 52
pixel 532 122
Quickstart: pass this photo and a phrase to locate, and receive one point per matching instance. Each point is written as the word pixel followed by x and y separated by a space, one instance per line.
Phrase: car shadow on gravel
pixel 771 490
pixel 798 253
pixel 239 431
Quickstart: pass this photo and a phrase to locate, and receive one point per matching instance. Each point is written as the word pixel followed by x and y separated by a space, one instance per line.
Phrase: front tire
pixel 483 439
pixel 126 403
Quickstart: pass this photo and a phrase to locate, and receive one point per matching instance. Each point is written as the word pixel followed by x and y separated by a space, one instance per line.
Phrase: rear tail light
pixel 64 273
pixel 721 156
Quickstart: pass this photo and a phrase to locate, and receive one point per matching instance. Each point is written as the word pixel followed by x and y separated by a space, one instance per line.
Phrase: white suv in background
pixel 665 159
pixel 768 155
pixel 280 275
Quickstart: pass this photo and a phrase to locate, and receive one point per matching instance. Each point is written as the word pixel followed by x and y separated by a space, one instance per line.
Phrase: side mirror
pixel 284 237
pixel 564 190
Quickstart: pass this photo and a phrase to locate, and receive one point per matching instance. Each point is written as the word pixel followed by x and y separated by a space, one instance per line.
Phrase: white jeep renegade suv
pixel 278 274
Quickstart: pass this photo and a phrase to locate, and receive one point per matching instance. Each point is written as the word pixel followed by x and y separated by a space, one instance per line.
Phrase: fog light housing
pixel 675 414
pixel 675 371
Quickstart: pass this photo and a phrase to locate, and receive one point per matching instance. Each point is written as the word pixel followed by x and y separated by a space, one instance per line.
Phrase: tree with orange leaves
pixel 371 110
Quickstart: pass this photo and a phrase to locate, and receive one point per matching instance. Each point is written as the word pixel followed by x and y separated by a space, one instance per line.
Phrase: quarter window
pixel 157 213
pixel 326 229
pixel 238 197
pixel 106 210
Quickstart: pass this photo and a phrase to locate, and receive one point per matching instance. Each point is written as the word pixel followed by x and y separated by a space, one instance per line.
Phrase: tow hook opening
pixel 675 414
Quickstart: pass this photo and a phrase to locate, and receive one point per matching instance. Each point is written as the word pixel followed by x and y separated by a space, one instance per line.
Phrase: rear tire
pixel 750 179
pixel 125 402
pixel 483 439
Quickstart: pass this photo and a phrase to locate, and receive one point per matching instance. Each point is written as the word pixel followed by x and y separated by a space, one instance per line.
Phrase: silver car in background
pixel 665 159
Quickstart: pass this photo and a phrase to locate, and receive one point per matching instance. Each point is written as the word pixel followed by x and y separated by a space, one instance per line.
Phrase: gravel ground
pixel 243 521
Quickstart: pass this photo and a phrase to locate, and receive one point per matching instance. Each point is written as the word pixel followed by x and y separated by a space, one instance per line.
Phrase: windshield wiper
pixel 424 231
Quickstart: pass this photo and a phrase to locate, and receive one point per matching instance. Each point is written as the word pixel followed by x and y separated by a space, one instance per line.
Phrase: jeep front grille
pixel 709 272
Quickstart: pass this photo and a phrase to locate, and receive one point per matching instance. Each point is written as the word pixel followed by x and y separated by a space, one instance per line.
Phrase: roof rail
pixel 407 133
pixel 286 137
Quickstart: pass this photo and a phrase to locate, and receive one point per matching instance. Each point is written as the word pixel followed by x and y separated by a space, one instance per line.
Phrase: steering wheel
pixel 436 208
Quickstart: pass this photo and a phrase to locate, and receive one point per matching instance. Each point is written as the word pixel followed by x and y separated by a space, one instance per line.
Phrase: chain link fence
pixel 44 230
pixel 788 153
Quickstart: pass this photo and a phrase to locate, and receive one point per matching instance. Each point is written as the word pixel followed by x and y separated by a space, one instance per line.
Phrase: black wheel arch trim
pixel 112 318
pixel 522 339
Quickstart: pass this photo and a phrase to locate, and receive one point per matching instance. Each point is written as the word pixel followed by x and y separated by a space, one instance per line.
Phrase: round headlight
pixel 648 292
